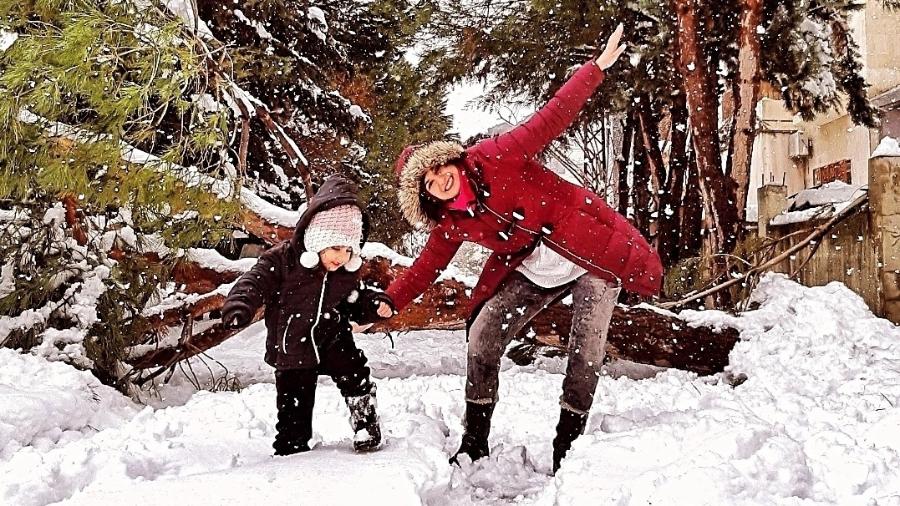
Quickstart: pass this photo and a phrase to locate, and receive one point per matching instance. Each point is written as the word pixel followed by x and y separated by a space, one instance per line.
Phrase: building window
pixel 837 171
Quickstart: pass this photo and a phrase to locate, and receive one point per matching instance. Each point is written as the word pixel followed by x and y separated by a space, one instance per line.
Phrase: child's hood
pixel 336 191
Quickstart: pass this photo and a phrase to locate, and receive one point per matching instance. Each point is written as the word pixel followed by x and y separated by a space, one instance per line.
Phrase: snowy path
pixel 817 422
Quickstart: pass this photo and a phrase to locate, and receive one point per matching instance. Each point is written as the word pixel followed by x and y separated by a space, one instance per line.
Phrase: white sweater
pixel 548 269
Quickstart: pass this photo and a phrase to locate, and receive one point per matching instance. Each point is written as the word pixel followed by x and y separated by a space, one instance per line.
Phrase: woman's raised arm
pixel 531 137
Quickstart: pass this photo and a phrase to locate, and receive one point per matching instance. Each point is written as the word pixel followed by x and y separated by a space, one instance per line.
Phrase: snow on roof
pixel 828 193
pixel 819 203
pixel 888 146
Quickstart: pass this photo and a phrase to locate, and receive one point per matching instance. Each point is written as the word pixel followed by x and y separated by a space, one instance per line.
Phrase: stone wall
pixel 884 202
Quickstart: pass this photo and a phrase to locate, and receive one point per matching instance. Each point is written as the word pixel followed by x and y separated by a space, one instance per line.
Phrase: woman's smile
pixel 443 183
pixel 449 184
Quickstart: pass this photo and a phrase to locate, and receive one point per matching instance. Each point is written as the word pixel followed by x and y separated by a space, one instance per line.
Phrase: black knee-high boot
pixel 570 426
pixel 477 428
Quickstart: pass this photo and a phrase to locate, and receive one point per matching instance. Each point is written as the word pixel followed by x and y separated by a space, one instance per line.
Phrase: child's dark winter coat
pixel 306 309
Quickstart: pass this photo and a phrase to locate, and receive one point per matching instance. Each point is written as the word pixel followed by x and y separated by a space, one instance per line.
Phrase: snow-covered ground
pixel 816 422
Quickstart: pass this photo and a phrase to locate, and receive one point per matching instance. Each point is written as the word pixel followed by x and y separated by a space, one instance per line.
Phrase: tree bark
pixel 718 192
pixel 258 226
pixel 690 218
pixel 650 137
pixel 640 179
pixel 746 95
pixel 670 205
pixel 655 166
pixel 622 165
pixel 72 219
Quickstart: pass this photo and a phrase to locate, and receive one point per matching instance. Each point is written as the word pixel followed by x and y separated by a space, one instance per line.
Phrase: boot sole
pixel 366 447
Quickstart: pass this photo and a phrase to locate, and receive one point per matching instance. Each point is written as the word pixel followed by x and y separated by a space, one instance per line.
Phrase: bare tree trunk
pixel 745 97
pixel 691 215
pixel 670 205
pixel 649 128
pixel 627 141
pixel 640 179
pixel 718 192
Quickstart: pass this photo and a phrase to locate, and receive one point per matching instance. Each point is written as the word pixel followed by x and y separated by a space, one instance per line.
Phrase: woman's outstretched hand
pixel 612 51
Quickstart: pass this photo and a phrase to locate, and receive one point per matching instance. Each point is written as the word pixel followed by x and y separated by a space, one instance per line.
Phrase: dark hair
pixel 432 207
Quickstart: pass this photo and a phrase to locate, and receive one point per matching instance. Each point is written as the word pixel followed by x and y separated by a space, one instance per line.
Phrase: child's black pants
pixel 296 391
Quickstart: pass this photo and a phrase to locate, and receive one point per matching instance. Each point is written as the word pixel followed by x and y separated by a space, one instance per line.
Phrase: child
pixel 311 293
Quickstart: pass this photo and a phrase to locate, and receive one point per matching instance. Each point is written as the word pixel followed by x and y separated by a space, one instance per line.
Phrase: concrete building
pixel 799 154
pixel 805 173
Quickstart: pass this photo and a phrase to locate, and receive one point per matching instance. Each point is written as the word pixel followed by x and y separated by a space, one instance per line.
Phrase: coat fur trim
pixel 423 159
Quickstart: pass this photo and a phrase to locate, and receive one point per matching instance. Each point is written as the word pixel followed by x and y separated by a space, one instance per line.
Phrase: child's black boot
pixel 364 421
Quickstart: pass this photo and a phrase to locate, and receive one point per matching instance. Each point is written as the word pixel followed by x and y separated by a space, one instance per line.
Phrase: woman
pixel 548 237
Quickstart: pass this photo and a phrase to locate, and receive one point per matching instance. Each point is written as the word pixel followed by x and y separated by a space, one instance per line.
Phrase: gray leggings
pixel 518 301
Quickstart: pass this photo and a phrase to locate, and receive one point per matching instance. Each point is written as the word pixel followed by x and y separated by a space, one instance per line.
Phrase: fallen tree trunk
pixel 636 334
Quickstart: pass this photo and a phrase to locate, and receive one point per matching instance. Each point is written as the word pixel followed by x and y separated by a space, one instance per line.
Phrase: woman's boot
pixel 477 427
pixel 570 426
pixel 364 421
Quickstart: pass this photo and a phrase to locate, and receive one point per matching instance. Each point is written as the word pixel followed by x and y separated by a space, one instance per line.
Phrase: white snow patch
pixel 184 9
pixel 260 28
pixel 7 39
pixel 888 146
pixel 317 23
pixel 212 259
pixel 817 422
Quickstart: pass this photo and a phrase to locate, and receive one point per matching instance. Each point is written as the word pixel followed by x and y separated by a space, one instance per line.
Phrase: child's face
pixel 335 257
pixel 443 183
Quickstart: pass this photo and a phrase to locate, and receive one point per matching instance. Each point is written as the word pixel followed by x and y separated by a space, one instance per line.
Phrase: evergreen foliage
pixel 90 226
pixel 527 49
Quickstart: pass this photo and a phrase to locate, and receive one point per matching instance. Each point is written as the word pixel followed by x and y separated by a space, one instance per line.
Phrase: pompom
pixel 309 259
pixel 354 264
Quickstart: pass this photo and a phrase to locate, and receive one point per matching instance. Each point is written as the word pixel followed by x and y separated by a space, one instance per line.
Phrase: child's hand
pixel 359 329
pixel 384 310
pixel 612 51
pixel 235 318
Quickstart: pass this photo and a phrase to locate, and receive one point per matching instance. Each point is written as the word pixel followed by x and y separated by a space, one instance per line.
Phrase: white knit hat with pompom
pixel 338 226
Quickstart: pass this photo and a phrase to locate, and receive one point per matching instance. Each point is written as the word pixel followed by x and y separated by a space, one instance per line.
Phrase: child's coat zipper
pixel 312 331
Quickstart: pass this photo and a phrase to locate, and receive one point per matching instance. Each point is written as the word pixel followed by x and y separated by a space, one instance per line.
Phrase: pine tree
pixel 110 166
pixel 300 59
pixel 334 75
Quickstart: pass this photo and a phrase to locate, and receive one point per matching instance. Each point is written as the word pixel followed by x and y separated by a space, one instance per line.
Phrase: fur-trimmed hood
pixel 412 164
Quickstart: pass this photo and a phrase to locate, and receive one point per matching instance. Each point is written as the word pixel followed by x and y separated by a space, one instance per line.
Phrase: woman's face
pixel 443 182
